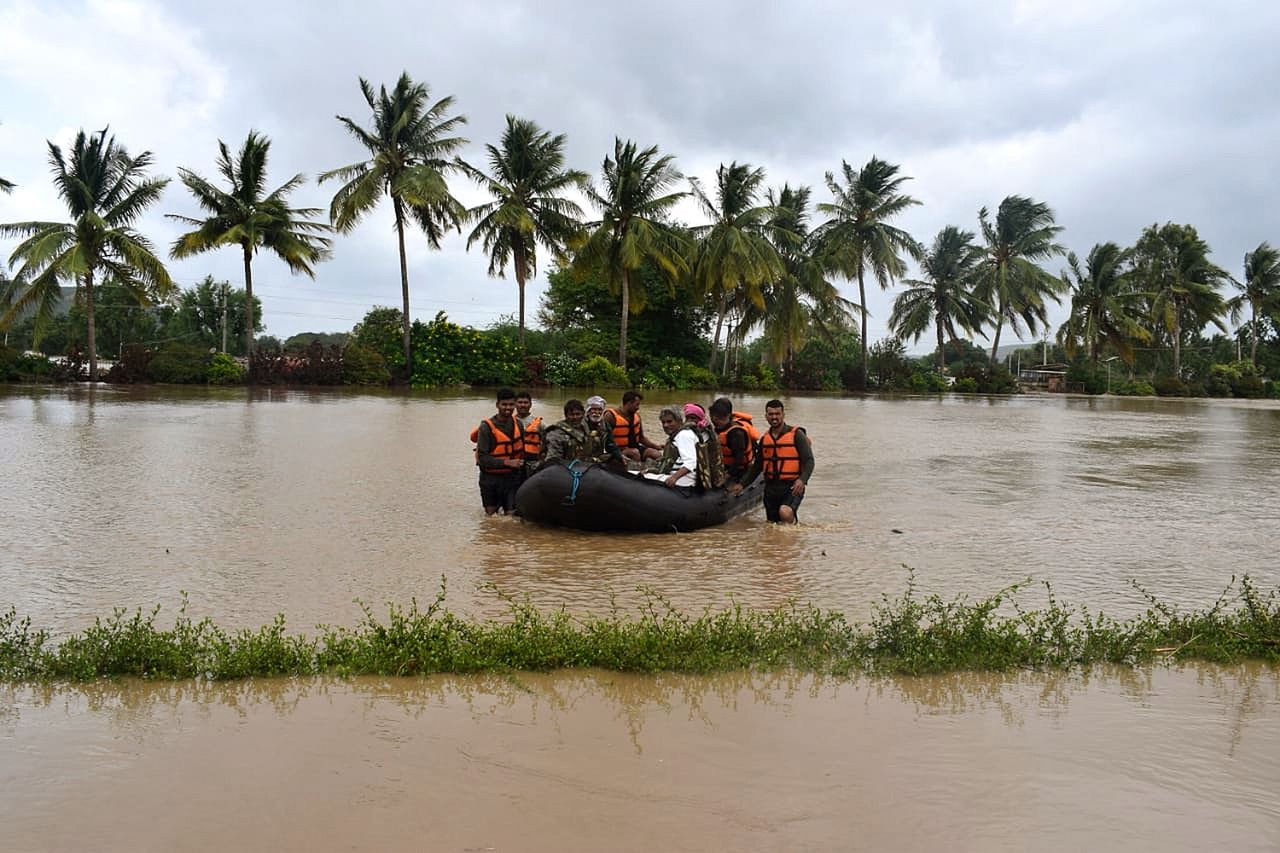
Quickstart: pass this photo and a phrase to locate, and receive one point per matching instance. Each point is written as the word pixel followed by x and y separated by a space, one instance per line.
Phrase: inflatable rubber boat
pixel 586 496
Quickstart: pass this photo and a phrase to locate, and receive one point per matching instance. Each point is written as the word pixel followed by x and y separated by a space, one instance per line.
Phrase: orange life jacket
pixel 779 457
pixel 504 446
pixel 743 420
pixel 626 433
pixel 533 439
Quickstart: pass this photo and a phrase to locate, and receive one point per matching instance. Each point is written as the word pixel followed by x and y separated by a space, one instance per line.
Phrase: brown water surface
pixel 297 502
pixel 1163 759
pixel 257 503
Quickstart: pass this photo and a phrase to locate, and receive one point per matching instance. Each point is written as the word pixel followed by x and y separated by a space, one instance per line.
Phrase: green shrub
pixel 1170 386
pixel 599 371
pixel 560 368
pixel 363 366
pixel 224 370
pixel 1137 388
pixel 928 381
pixel 966 385
pixel 677 375
pixel 17 366
pixel 179 364
pixel 1084 376
pixel 445 353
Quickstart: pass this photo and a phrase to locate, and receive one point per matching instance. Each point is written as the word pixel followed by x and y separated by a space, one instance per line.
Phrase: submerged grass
pixel 909 634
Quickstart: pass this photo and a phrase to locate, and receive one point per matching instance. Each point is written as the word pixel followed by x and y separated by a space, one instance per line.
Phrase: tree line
pixel 763 267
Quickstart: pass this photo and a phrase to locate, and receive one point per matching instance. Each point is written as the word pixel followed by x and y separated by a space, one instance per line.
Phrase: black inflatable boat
pixel 596 497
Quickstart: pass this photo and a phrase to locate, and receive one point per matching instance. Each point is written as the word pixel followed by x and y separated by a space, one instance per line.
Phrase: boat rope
pixel 577 480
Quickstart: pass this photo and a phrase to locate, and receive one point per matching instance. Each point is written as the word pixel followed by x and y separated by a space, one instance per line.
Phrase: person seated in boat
pixel 574 438
pixel 602 446
pixel 624 425
pixel 737 437
pixel 500 455
pixel 785 457
pixel 678 465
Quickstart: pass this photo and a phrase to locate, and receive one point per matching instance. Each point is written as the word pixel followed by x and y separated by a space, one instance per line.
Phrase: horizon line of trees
pixel 764 263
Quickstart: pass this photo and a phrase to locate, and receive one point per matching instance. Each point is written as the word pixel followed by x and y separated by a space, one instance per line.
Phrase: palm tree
pixel 105 191
pixel 6 186
pixel 1102 305
pixel 245 215
pixel 733 254
pixel 411 145
pixel 1011 281
pixel 527 177
pixel 858 238
pixel 633 226
pixel 1260 289
pixel 944 297
pixel 800 301
pixel 1172 264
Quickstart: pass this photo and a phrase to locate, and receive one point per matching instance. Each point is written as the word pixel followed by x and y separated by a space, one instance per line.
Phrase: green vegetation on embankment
pixel 909 634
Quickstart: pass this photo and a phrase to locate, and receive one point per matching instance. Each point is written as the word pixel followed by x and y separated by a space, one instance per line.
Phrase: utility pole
pixel 224 317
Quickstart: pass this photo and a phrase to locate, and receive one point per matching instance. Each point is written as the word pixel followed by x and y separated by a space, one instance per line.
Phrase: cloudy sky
pixel 1116 114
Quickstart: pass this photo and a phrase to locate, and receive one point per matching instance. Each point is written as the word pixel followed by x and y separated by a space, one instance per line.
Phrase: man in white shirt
pixel 678 467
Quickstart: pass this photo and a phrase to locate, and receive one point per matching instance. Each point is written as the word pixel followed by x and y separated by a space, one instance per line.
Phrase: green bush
pixel 928 381
pixel 965 385
pixel 363 366
pixel 17 366
pixel 224 370
pixel 1170 386
pixel 560 368
pixel 677 375
pixel 1137 388
pixel 181 364
pixel 445 353
pixel 1084 376
pixel 599 371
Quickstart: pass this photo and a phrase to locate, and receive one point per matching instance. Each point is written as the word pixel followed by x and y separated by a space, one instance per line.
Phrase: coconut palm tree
pixel 1011 281
pixel 1260 290
pixel 1172 265
pixel 6 186
pixel 246 215
pixel 733 255
pixel 634 207
pixel 858 238
pixel 105 191
pixel 801 302
pixel 527 178
pixel 411 147
pixel 1104 306
pixel 944 298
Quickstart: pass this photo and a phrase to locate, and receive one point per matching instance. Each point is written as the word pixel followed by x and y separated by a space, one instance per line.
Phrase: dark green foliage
pixel 380 332
pixel 224 370
pixel 667 321
pixel 599 371
pixel 1171 386
pixel 302 340
pixel 677 375
pixel 133 365
pixel 890 367
pixel 17 366
pixel 928 381
pixel 179 364
pixel 823 365
pixel 445 353
pixel 907 634
pixel 985 379
pixel 1137 388
pixel 363 366
pixel 1084 376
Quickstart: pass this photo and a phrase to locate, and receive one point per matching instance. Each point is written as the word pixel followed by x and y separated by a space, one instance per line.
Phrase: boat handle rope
pixel 577 480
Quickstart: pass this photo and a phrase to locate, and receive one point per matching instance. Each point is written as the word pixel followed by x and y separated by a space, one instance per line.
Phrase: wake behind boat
pixel 586 496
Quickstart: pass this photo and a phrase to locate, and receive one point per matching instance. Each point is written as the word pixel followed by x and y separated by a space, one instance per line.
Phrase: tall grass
pixel 907 634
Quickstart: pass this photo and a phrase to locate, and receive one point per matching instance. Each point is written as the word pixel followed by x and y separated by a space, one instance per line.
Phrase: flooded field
pixel 303 503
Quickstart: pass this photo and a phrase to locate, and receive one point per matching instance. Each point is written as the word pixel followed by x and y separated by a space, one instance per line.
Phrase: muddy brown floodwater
pixel 301 503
